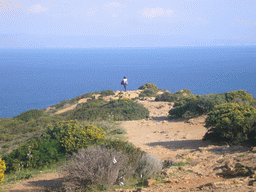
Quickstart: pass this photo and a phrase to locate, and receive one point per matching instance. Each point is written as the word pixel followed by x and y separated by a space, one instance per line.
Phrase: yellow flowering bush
pixel 2 169
pixel 240 94
pixel 74 136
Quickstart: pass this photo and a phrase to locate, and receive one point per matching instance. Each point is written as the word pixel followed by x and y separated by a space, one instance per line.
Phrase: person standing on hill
pixel 124 82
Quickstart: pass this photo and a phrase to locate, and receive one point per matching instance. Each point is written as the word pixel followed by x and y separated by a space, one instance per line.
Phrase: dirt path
pixel 164 138
pixel 176 141
pixel 40 183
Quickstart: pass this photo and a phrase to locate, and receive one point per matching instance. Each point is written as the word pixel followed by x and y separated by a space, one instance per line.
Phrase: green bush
pixel 149 93
pixel 74 136
pixel 31 114
pixel 125 147
pixel 183 92
pixel 91 104
pixel 73 101
pixel 38 152
pixel 89 94
pixel 177 96
pixel 196 105
pixel 118 110
pixel 231 122
pixel 148 86
pixel 166 96
pixel 107 93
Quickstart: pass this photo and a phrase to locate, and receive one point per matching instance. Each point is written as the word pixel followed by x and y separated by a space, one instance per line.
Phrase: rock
pixel 254 149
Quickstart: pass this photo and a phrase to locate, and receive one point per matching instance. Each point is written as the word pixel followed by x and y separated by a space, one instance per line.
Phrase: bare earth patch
pixel 208 167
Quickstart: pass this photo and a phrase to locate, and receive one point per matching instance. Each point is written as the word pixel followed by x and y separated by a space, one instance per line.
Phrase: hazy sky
pixel 159 21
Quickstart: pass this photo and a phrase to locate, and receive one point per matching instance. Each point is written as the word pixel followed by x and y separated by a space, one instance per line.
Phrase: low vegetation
pixel 117 110
pixel 101 167
pixel 231 115
pixel 149 90
pixel 43 139
pixel 148 86
pixel 172 97
pixel 31 114
pixel 107 93
pixel 61 138
pixel 148 93
pixel 73 101
pixel 196 105
pixel 88 142
pixel 231 122
pixel 72 136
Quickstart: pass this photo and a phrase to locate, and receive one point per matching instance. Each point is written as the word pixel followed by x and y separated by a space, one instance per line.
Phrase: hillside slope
pixel 197 165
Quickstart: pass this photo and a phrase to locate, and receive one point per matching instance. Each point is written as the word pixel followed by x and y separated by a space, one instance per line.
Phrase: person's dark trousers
pixel 125 87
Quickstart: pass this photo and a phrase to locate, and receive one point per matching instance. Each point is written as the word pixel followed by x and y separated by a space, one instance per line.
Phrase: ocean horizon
pixel 39 78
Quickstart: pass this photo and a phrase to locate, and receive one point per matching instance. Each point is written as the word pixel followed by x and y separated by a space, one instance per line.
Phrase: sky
pixel 126 23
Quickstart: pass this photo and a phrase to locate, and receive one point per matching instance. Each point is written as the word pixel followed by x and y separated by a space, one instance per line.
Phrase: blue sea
pixel 39 78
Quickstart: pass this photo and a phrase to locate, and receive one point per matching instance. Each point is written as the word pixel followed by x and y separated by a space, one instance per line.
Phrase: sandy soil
pixel 164 138
pixel 175 141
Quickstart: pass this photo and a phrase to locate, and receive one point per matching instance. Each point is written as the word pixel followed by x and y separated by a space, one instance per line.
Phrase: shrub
pixel 73 136
pixel 92 167
pixel 38 152
pixel 231 122
pixel 74 100
pixel 148 86
pixel 89 94
pixel 107 93
pixel 149 93
pixel 91 104
pixel 241 94
pixel 148 165
pixel 187 92
pixel 166 96
pixel 31 114
pixel 177 96
pixel 134 153
pixel 2 169
pixel 196 105
pixel 125 109
pixel 121 109
pixel 183 92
